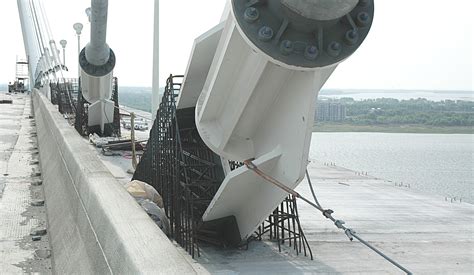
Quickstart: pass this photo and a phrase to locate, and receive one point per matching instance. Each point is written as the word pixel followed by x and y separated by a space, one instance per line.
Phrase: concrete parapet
pixel 95 225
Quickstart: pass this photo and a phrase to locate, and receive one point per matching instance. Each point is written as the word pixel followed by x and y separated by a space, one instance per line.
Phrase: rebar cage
pixel 187 174
pixel 181 168
pixel 64 94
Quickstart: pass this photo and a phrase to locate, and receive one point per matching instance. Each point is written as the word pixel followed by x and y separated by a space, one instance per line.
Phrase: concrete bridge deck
pixel 425 233
pixel 22 212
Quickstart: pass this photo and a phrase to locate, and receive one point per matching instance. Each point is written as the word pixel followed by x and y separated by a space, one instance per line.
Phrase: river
pixel 434 163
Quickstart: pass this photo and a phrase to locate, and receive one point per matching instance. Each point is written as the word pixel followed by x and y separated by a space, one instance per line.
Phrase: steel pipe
pixel 97 51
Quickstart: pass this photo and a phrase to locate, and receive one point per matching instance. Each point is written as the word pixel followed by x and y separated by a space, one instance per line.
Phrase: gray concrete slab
pixel 19 253
pixel 120 162
pixel 425 233
pixel 428 234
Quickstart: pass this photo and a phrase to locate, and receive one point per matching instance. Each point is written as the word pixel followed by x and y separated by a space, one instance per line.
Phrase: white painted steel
pixel 30 41
pixel 101 113
pixel 55 52
pixel 226 12
pixel 49 64
pixel 155 93
pixel 96 88
pixel 199 64
pixel 251 106
pixel 40 48
pixel 97 91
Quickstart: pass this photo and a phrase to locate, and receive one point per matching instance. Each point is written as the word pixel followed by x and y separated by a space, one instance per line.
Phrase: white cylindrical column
pixel 155 92
pixel 97 62
pixel 32 48
pixel 97 51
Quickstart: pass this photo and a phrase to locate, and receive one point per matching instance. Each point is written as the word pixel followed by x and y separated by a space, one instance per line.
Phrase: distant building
pixel 327 110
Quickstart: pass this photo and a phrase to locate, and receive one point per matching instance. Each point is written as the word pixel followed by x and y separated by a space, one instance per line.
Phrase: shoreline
pixel 325 127
pixel 403 129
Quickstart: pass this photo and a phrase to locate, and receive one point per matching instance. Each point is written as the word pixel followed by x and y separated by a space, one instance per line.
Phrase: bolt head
pixel 286 47
pixel 265 33
pixel 351 37
pixel 311 52
pixel 251 14
pixel 363 18
pixel 334 49
pixel 335 46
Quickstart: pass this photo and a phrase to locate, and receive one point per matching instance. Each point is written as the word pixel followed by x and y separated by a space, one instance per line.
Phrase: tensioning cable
pixel 351 234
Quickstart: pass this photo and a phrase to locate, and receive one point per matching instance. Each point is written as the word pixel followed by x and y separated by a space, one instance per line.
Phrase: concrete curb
pixel 94 224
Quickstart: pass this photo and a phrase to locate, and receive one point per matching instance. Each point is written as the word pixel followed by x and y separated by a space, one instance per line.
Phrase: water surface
pixel 434 163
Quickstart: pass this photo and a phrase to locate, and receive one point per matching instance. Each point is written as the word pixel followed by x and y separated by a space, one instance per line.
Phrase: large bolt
pixel 251 14
pixel 265 33
pixel 334 49
pixel 311 52
pixel 351 37
pixel 363 19
pixel 286 47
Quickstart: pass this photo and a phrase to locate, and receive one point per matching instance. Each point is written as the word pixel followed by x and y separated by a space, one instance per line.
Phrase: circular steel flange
pixel 94 70
pixel 305 33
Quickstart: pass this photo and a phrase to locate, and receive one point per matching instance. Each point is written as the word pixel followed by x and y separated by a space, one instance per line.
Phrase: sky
pixel 413 44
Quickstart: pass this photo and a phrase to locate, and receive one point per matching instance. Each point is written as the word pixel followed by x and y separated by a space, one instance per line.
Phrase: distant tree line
pixel 381 111
pixel 384 111
pixel 136 97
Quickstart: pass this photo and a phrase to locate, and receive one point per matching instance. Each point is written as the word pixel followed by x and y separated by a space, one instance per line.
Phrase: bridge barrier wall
pixel 95 226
